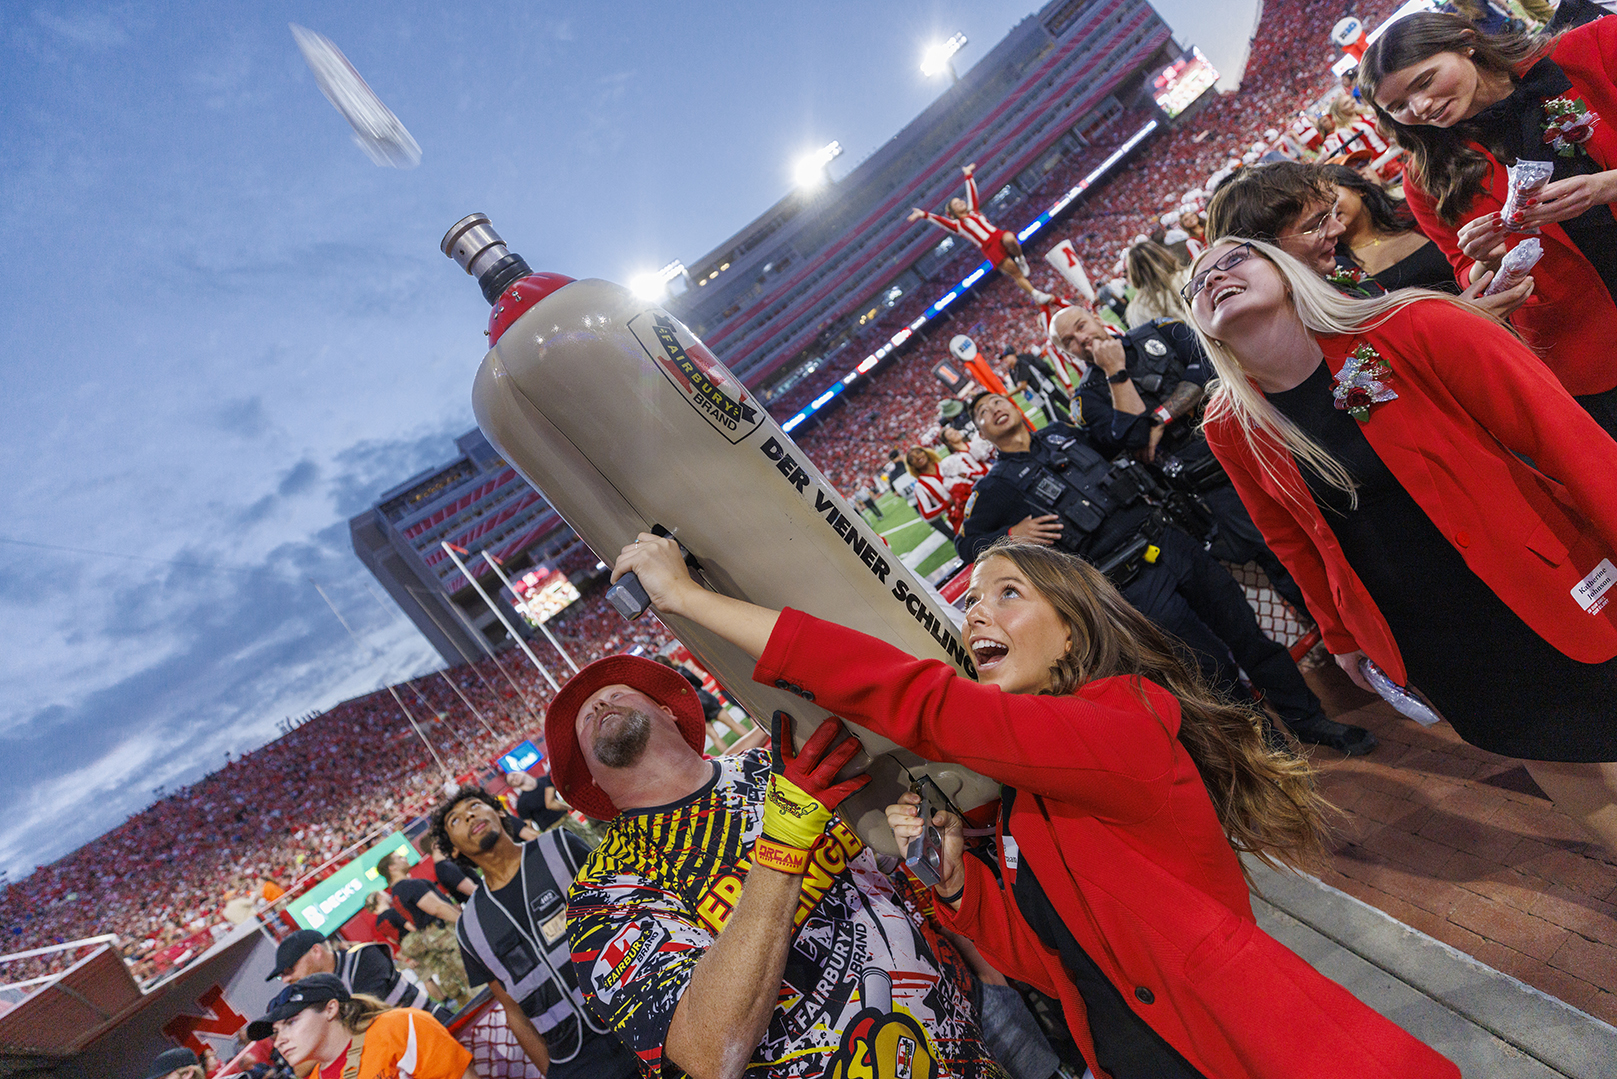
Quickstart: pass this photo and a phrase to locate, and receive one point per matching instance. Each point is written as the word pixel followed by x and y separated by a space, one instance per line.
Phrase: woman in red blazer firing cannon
pixel 1130 786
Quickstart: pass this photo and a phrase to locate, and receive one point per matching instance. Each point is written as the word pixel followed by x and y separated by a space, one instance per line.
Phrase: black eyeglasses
pixel 1238 254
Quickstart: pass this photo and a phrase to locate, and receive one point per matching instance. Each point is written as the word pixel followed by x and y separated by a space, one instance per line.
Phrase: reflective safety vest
pixel 401 989
pixel 536 967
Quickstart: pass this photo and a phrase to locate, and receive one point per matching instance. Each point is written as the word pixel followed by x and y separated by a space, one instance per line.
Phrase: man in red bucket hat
pixel 820 946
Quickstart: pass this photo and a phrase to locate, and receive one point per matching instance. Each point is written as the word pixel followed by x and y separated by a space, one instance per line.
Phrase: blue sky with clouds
pixel 223 330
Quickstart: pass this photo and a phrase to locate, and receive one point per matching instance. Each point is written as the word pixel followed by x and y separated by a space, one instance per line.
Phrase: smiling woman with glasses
pixel 1233 257
pixel 1482 583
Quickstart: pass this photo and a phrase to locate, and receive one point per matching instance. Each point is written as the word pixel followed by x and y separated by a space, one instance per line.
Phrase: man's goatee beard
pixel 623 747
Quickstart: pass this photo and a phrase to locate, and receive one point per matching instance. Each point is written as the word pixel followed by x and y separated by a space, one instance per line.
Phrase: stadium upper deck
pixel 476 502
pixel 778 297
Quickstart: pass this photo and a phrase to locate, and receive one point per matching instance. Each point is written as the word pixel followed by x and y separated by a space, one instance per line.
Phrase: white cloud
pixel 96 31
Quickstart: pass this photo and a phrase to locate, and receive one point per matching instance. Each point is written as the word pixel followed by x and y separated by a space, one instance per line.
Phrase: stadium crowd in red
pixel 162 879
pixel 270 819
pixel 1287 70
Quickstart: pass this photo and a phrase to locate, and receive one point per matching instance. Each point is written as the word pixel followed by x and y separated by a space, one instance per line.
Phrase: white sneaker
pixel 1041 298
pixel 1021 264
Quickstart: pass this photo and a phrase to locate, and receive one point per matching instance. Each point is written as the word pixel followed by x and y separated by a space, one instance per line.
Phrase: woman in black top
pixel 1380 234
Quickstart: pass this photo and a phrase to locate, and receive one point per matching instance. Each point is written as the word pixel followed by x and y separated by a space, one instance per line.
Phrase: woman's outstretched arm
pixel 656 561
pixel 1112 755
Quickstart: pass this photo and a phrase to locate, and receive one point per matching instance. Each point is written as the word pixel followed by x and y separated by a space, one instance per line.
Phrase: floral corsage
pixel 1568 124
pixel 1362 383
pixel 1352 280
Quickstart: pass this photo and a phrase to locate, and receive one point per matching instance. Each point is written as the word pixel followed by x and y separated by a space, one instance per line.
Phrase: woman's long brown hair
pixel 1265 798
pixel 1441 160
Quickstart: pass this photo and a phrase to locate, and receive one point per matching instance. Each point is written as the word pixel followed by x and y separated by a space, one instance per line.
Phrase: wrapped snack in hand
pixel 1409 702
pixel 1527 179
pixel 1517 264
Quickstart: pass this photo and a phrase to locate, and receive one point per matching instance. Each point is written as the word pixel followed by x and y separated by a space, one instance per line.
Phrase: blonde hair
pixel 1322 309
pixel 1265 797
pixel 1344 110
pixel 930 456
pixel 1153 271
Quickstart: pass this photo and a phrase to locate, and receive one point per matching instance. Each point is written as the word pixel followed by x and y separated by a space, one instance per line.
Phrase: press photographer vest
pixel 537 966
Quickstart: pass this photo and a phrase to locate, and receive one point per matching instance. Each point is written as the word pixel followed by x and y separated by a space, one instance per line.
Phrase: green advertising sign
pixel 340 896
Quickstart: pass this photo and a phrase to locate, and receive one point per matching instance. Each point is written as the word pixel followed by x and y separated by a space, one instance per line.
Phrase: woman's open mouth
pixel 987 654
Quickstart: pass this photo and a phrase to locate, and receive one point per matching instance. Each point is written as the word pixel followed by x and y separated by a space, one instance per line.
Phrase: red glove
pixel 803 792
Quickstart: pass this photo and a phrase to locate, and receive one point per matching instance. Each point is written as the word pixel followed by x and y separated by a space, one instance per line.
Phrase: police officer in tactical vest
pixel 362 968
pixel 1165 366
pixel 513 936
pixel 1052 487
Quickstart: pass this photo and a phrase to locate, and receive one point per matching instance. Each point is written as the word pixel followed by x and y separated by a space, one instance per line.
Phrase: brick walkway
pixel 1463 846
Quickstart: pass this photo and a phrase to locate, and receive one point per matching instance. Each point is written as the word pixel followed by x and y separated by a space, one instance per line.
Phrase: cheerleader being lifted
pixel 1000 247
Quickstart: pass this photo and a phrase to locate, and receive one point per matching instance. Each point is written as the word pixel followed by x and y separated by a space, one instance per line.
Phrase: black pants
pixel 1187 593
pixel 941 523
pixel 603 1056
pixel 1603 407
pixel 1240 541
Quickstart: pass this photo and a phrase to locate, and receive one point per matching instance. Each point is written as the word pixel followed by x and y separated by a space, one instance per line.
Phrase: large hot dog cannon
pixel 624 421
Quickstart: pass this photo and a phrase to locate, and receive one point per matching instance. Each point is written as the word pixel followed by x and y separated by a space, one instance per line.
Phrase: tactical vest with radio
pixel 1103 505
pixel 1155 365
pixel 1160 355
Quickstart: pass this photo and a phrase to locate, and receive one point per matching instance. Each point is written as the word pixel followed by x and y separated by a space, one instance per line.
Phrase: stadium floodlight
pixel 654 286
pixel 810 170
pixel 938 56
pixel 647 286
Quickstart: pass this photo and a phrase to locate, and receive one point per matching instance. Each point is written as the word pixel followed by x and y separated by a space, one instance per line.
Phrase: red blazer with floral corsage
pixel 1470 398
pixel 1570 319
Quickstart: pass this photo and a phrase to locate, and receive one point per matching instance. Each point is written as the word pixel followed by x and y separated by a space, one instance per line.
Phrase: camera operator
pixel 1051 487
pixel 1163 363
pixel 1030 374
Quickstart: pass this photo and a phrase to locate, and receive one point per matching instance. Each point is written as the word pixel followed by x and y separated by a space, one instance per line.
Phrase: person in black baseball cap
pixel 175 1064
pixel 292 949
pixel 315 989
pixel 362 968
pixel 317 1021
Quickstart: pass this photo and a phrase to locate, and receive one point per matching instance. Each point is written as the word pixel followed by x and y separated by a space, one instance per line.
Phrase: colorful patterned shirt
pixel 869 988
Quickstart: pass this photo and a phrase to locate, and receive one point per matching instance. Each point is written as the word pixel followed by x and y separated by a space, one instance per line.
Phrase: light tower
pixel 939 57
pixel 813 170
